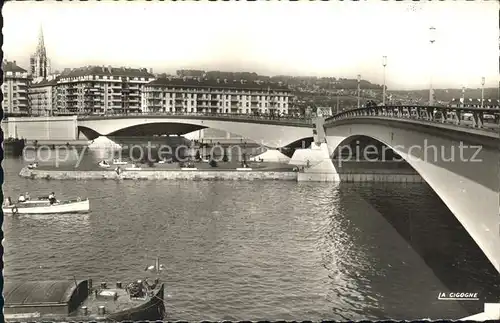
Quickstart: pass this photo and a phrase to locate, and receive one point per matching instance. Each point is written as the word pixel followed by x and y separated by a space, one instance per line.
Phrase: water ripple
pixel 233 250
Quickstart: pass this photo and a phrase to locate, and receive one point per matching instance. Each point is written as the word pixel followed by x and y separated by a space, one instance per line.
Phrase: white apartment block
pixel 15 89
pixel 101 89
pixel 42 96
pixel 197 95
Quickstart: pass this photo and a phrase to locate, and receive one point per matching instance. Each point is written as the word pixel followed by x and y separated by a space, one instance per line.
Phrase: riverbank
pixel 392 176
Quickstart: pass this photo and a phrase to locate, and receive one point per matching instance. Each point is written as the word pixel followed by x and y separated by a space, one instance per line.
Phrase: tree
pixel 197 156
pixel 225 158
pixel 213 163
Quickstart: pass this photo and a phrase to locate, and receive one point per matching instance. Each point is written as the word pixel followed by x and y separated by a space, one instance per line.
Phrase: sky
pixel 334 39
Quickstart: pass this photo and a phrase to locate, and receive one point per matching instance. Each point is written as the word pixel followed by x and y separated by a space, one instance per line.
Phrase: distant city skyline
pixel 324 39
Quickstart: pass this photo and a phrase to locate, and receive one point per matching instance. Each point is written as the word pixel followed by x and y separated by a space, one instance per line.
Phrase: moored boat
pixel 72 300
pixel 133 167
pixel 104 164
pixel 44 207
pixel 119 162
pixel 13 146
pixel 33 165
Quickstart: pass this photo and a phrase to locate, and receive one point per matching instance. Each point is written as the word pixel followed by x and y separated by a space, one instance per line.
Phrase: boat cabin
pixel 35 299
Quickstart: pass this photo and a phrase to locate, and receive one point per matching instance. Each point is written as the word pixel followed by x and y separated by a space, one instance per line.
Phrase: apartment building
pixel 474 103
pixel 15 89
pixel 190 95
pixel 101 89
pixel 42 96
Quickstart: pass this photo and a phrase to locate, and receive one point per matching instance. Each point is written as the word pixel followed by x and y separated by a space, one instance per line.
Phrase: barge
pixel 69 301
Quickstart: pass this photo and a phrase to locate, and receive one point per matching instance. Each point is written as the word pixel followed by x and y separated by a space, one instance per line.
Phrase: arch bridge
pixel 455 150
pixel 269 131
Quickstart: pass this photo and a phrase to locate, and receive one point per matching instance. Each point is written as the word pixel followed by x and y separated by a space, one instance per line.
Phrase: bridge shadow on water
pixel 434 233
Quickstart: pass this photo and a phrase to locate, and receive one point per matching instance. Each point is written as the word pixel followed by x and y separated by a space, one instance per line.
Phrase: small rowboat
pixel 33 166
pixel 133 167
pixel 119 162
pixel 104 164
pixel 44 207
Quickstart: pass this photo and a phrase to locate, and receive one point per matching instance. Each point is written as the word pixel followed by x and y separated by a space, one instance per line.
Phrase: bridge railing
pixel 225 116
pixel 481 118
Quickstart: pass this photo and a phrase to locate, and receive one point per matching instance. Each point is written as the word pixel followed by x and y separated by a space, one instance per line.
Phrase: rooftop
pixel 106 71
pixel 12 67
pixel 220 83
pixel 45 82
pixel 31 292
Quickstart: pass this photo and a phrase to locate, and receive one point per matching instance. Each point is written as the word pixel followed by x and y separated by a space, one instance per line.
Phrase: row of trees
pixel 294 81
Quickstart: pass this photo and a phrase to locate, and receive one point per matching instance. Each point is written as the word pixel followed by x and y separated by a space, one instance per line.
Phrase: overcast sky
pixel 340 39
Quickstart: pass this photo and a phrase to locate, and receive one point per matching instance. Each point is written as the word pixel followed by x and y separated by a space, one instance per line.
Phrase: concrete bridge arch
pixel 466 179
pixel 268 134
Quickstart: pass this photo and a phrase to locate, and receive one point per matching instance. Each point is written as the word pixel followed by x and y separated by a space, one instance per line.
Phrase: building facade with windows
pixel 196 95
pixel 474 103
pixel 41 96
pixel 15 86
pixel 100 89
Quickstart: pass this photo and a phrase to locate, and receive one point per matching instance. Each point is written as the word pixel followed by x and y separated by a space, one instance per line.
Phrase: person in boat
pixel 21 198
pixel 52 198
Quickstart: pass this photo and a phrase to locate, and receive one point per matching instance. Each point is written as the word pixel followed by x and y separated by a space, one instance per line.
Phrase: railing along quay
pixel 460 117
pixel 223 116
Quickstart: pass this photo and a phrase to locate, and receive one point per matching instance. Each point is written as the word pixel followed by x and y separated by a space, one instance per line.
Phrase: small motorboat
pixel 133 167
pixel 104 164
pixel 75 300
pixel 33 165
pixel 44 207
pixel 119 162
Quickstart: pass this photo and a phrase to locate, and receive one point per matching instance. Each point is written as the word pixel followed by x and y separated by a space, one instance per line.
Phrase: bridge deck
pixel 274 120
pixel 493 132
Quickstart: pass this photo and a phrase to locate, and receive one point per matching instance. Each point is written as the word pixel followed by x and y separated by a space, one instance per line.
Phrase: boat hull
pixel 45 208
pixel 153 310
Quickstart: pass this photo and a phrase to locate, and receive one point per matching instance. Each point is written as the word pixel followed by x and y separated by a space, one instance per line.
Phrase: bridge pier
pixel 315 162
pixel 103 142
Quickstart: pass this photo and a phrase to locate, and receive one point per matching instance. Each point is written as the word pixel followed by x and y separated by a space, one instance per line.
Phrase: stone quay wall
pixel 207 175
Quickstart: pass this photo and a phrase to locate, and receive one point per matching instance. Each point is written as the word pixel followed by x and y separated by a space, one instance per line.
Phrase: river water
pixel 258 250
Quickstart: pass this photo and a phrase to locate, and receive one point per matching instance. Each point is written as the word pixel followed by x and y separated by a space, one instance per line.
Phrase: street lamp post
pixel 463 96
pixel 359 90
pixel 337 102
pixel 341 92
pixel 482 91
pixel 384 63
pixel 432 40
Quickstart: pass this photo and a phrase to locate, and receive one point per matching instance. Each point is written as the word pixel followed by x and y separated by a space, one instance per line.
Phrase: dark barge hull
pixel 13 147
pixel 60 298
pixel 153 310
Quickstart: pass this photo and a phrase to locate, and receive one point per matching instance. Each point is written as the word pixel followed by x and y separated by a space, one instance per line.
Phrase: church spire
pixel 41 44
pixel 39 63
